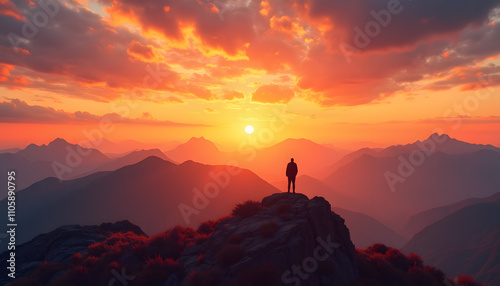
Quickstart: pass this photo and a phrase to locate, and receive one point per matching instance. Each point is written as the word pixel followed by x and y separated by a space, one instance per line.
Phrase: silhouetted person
pixel 291 173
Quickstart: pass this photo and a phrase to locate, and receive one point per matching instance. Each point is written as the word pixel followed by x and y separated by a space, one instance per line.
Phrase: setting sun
pixel 249 129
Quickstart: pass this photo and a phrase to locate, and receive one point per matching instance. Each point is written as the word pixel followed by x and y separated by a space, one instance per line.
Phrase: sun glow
pixel 249 129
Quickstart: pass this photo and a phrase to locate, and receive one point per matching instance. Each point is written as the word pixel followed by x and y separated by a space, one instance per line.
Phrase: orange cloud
pixel 273 93
pixel 233 94
pixel 140 51
pixel 8 8
pixel 18 111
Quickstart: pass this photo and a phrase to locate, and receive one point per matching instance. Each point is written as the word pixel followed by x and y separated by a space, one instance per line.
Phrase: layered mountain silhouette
pixel 57 159
pixel 448 202
pixel 442 143
pixel 419 221
pixel 283 239
pixel 268 163
pixel 366 231
pixel 467 240
pixel 198 149
pixel 440 180
pixel 154 193
pixel 10 150
pixel 58 150
pixel 118 149
pixel 130 159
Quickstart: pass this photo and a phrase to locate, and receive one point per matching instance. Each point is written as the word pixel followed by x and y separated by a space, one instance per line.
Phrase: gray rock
pixel 298 242
pixel 60 244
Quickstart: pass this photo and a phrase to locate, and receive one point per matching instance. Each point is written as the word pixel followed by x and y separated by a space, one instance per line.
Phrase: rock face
pixel 60 244
pixel 291 241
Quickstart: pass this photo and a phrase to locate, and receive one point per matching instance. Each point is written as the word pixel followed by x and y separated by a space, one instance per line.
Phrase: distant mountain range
pixel 438 180
pixel 466 241
pixel 64 160
pixel 366 231
pixel 130 159
pixel 57 159
pixel 198 150
pixel 437 143
pixel 154 193
pixel 10 150
pixel 269 162
pixel 120 148
pixel 419 221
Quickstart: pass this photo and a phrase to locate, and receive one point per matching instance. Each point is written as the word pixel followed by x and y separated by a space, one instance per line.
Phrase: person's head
pixel 291 160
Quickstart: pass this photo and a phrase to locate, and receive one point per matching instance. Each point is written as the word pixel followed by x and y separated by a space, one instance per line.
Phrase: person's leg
pixel 293 181
pixel 289 181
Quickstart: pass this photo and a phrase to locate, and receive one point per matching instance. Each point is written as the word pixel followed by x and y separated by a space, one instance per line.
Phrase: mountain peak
pixel 199 139
pixel 199 142
pixel 436 135
pixel 58 142
pixel 281 231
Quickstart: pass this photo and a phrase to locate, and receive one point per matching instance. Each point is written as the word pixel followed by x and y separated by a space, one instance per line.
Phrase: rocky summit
pixel 288 240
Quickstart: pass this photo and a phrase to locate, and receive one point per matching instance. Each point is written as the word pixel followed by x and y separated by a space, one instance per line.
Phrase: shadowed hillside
pixel 155 194
pixel 286 239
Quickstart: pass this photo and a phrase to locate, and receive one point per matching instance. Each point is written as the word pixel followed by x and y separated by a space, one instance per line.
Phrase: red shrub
pixel 377 248
pixel 415 260
pixel 209 226
pixel 77 258
pixel 172 243
pixel 389 267
pixel 247 209
pixel 467 280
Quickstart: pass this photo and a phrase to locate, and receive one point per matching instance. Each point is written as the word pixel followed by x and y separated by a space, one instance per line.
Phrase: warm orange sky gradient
pixel 165 70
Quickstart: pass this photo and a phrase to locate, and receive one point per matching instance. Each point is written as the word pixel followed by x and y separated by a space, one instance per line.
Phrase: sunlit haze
pixel 162 72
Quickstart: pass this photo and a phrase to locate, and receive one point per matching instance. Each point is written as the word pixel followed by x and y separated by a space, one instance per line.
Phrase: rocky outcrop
pixel 291 241
pixel 60 244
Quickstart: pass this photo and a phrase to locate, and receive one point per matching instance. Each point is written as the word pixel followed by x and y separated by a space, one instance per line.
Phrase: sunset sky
pixel 332 71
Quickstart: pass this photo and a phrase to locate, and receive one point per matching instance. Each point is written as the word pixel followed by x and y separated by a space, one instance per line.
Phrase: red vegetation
pixel 247 209
pixel 209 226
pixel 382 265
pixel 151 261
pixel 467 280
